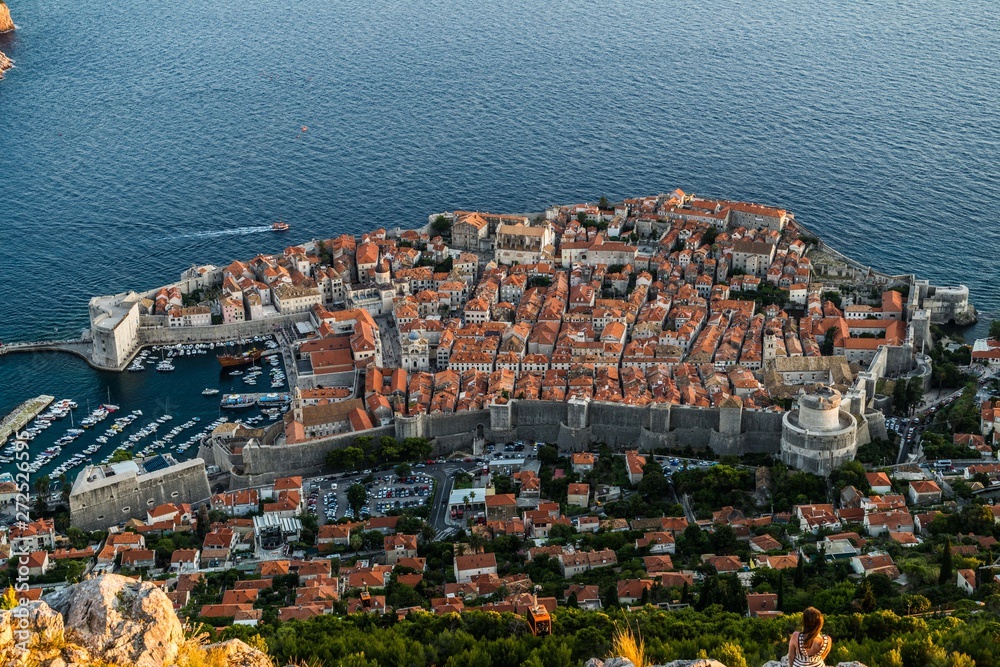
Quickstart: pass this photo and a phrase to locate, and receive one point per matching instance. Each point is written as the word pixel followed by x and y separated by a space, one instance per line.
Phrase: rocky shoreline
pixel 5 63
pixel 6 25
pixel 6 22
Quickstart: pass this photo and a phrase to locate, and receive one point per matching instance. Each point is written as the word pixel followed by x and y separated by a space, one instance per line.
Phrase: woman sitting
pixel 809 648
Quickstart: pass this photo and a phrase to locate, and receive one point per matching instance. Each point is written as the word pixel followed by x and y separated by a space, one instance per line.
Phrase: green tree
pixel 865 599
pixel 730 654
pixel 653 484
pixel 42 485
pixel 826 347
pixel 9 599
pixel 900 399
pixel 389 449
pixel 120 455
pixel 995 329
pixel 502 484
pixel 403 470
pixel 850 473
pixel 416 449
pixel 724 540
pixel 441 225
pixel 401 595
pixel 693 540
pixel 65 488
pixel 548 455
pixel 357 494
pixel 947 566
pixel 561 531
pixel 800 573
pixel 915 391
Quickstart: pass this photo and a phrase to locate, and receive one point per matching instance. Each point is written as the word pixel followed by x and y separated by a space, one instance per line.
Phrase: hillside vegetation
pixel 485 639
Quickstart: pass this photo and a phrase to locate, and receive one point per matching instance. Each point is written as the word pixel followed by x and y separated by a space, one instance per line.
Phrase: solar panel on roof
pixel 156 463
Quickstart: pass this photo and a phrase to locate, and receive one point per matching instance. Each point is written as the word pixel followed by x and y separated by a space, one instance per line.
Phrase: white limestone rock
pixel 238 654
pixel 122 621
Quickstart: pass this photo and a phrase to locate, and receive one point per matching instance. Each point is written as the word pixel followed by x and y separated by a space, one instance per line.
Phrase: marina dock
pixel 23 414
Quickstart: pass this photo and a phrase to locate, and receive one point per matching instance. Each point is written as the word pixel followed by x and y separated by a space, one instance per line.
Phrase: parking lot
pixel 672 464
pixel 328 500
pixel 515 450
pixel 389 492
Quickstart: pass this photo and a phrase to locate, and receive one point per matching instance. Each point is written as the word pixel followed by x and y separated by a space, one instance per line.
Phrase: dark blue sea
pixel 139 138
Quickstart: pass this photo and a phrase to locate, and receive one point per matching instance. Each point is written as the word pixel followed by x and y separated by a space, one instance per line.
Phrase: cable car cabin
pixel 366 600
pixel 539 621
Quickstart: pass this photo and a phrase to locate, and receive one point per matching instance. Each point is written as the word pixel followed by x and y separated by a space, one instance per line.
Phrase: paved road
pixel 391 351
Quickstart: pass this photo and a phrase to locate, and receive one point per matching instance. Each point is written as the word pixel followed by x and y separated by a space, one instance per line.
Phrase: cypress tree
pixel 800 573
pixel 947 567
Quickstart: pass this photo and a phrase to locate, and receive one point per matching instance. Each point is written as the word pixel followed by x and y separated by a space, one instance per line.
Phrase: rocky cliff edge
pixel 6 25
pixel 110 620
pixel 6 22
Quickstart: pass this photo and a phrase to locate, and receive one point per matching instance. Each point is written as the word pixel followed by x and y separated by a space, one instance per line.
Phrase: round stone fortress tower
pixel 816 436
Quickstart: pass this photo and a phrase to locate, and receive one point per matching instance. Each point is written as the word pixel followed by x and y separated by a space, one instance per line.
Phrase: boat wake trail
pixel 224 232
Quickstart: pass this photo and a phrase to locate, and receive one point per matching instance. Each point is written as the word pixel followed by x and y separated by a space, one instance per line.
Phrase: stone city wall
pixel 620 426
pixel 262 463
pixel 160 335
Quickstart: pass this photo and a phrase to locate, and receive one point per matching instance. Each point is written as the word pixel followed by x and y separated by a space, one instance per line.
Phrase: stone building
pixel 105 496
pixel 817 436
pixel 114 327
pixel 524 245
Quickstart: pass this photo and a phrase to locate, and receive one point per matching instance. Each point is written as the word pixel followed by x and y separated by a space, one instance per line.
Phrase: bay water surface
pixel 137 139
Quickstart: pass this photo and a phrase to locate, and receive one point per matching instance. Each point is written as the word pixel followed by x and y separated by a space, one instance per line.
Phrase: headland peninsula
pixel 670 400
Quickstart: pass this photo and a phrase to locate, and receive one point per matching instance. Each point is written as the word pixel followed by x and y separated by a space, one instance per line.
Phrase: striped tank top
pixel 803 660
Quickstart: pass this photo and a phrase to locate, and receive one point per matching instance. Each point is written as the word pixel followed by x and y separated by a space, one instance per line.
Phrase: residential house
pixel 469 566
pixel 582 462
pixel 38 563
pixel 658 542
pixel 879 482
pixel 501 507
pixel 574 562
pixel 634 464
pixel 587 596
pixel 135 559
pixel 185 560
pixel 38 535
pixel 966 581
pixel 578 495
pixel 399 546
pixel 762 605
pixel 875 563
pixel 924 492
pixel 631 591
